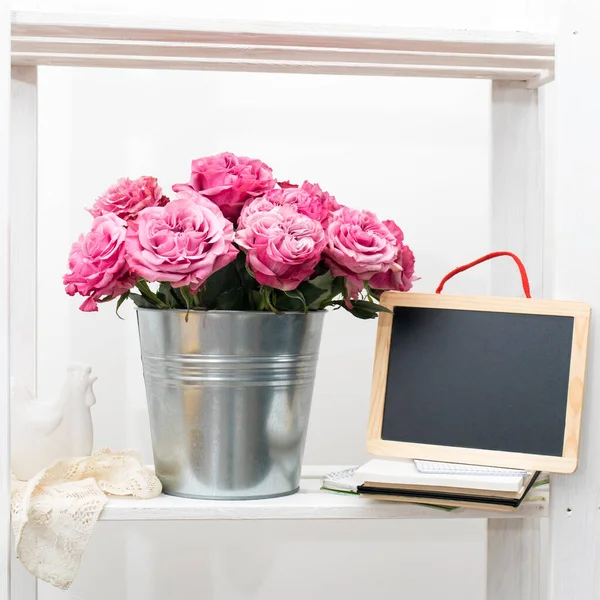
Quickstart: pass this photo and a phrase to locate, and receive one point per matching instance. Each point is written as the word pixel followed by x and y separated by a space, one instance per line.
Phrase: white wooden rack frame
pixel 518 64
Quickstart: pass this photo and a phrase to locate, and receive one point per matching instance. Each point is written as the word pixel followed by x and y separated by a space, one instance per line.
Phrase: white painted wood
pixel 23 256
pixel 5 545
pixel 309 503
pixel 259 66
pixel 513 559
pixel 23 226
pixel 67 47
pixel 231 31
pixel 107 41
pixel 518 225
pixel 575 509
pixel 23 583
pixel 517 188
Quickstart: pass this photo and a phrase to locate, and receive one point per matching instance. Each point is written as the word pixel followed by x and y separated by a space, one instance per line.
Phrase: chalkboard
pixel 480 381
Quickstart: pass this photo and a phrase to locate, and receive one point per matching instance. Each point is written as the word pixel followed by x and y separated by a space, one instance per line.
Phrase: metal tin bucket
pixel 229 397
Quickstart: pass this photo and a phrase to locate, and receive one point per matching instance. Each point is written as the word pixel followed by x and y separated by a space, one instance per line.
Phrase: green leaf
pixel 120 301
pixel 258 302
pixel 189 300
pixel 187 296
pixel 338 287
pixel 149 295
pixel 140 301
pixel 269 296
pixel 165 293
pixel 240 263
pixel 374 293
pixel 362 313
pixel 232 300
pixel 297 295
pixel 361 309
pixel 286 303
pixel 315 297
pixel 373 306
pixel 324 281
pixel 218 283
pixel 178 299
pixel 318 291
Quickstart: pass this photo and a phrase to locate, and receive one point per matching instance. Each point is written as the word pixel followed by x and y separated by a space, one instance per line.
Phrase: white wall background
pixel 416 151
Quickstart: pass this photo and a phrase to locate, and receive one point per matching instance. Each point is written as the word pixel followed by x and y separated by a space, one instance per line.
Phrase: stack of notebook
pixel 436 484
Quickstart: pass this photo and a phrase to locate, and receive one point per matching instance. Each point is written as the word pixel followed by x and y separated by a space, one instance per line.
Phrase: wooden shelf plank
pixel 227 45
pixel 309 503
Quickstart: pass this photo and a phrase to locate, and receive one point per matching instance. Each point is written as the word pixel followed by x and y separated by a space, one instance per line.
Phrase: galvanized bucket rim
pixel 230 312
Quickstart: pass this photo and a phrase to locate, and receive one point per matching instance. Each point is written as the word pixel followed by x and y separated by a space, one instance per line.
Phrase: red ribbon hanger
pixel 522 271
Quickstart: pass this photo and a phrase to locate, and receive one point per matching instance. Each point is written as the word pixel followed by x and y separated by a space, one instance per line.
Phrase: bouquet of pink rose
pixel 235 238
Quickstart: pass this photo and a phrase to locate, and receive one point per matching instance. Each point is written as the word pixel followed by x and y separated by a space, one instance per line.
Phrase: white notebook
pixel 404 471
pixel 444 468
pixel 342 481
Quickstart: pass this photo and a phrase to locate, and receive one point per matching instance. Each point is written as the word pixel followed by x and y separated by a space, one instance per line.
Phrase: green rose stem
pixel 149 295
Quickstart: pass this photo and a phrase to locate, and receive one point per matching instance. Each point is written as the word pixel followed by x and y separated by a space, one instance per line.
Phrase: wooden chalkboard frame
pixel 567 463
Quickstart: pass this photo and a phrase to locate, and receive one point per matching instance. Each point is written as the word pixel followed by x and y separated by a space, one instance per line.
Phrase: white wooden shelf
pixel 517 63
pixel 107 41
pixel 309 503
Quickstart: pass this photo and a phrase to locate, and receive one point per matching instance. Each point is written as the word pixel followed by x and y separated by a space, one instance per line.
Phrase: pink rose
pixel 308 200
pixel 303 201
pixel 407 262
pixel 254 205
pixel 401 275
pixel 184 242
pixel 127 198
pixel 97 263
pixel 395 231
pixel 358 246
pixel 318 194
pixel 283 246
pixel 229 181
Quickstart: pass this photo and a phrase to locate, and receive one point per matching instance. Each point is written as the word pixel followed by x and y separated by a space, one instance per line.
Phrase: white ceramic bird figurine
pixel 44 431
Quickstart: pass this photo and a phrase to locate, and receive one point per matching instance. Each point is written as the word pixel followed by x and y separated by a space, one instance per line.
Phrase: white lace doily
pixel 54 513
